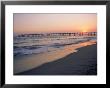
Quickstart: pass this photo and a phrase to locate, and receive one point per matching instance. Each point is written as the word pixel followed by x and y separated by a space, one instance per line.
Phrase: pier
pixel 75 34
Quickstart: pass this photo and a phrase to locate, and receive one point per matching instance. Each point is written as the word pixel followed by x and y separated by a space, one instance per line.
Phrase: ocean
pixel 36 45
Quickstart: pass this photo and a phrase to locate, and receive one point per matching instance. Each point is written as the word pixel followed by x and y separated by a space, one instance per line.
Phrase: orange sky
pixel 41 23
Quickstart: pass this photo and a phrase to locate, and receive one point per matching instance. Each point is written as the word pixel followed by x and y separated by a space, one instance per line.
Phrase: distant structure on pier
pixel 88 34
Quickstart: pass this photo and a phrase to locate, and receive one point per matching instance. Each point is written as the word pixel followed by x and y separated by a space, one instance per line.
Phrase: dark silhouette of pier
pixel 87 34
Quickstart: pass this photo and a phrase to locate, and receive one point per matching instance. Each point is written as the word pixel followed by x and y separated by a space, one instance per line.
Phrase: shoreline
pixel 28 62
pixel 83 62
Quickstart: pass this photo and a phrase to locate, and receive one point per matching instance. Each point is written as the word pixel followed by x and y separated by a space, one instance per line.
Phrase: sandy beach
pixel 83 62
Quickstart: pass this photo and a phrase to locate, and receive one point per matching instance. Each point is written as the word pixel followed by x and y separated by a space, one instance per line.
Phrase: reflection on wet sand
pixel 27 62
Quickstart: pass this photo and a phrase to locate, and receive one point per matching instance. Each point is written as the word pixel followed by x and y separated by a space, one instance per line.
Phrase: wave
pixel 37 46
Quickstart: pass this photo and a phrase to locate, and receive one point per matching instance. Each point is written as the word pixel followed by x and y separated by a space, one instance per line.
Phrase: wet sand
pixel 83 62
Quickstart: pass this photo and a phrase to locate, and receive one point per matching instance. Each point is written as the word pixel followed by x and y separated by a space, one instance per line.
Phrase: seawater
pixel 26 46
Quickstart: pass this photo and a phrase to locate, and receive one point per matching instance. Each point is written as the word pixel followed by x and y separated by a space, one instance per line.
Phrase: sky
pixel 27 23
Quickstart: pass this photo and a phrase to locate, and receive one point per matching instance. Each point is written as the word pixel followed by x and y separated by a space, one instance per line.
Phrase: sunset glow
pixel 84 30
pixel 44 23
